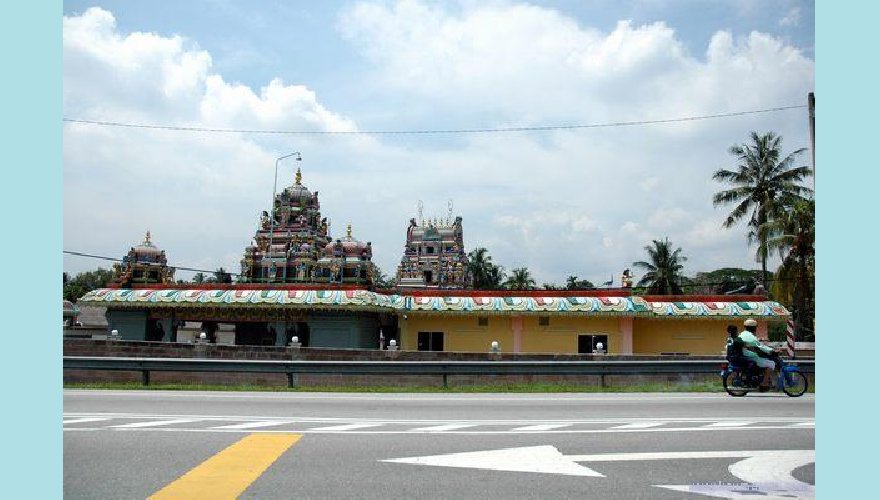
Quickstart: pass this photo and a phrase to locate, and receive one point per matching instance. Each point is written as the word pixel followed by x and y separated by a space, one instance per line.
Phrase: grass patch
pixel 502 388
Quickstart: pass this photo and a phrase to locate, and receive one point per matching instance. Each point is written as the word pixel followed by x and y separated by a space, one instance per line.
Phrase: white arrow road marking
pixel 252 425
pixel 769 474
pixel 545 427
pixel 155 423
pixel 638 425
pixel 441 428
pixel 545 459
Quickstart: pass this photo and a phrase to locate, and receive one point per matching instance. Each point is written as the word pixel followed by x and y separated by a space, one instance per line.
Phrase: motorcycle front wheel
pixel 794 384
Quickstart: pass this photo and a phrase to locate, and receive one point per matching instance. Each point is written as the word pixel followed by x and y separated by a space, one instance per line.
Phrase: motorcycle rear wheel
pixel 733 384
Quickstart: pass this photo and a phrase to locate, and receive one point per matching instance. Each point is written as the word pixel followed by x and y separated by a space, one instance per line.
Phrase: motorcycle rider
pixel 734 349
pixel 757 352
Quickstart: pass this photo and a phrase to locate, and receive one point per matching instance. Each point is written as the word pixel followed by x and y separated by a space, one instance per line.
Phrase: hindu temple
pixel 143 265
pixel 434 255
pixel 293 245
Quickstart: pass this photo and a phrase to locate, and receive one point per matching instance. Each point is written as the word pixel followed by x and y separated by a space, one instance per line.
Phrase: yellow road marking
pixel 228 473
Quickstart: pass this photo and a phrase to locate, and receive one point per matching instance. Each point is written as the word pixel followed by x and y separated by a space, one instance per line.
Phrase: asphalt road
pixel 134 444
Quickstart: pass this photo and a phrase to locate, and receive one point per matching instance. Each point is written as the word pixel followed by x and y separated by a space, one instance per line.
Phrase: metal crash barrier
pixel 443 368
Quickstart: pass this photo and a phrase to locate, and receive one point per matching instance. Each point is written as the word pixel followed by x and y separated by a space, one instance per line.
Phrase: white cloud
pixel 792 18
pixel 562 203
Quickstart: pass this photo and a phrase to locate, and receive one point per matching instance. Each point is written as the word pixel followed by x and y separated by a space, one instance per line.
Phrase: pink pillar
pixel 625 329
pixel 762 331
pixel 517 325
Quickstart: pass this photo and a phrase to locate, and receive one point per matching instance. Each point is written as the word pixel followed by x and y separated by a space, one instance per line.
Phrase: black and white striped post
pixel 789 339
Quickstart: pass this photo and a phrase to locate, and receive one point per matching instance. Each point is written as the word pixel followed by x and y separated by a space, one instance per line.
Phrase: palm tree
pixel 664 269
pixel 793 234
pixel 484 273
pixel 521 279
pixel 759 182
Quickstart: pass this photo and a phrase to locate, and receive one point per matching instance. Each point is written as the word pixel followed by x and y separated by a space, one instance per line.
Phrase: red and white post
pixel 789 339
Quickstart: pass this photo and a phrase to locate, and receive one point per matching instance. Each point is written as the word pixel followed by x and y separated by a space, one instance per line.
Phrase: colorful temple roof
pixel 494 303
pixel 293 245
pixel 143 264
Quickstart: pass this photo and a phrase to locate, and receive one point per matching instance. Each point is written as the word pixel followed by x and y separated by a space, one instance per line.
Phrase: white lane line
pixel 639 425
pixel 348 427
pixel 544 427
pixel 253 425
pixel 728 424
pixel 804 424
pixel 441 428
pixel 154 423
pixel 467 432
pixel 84 420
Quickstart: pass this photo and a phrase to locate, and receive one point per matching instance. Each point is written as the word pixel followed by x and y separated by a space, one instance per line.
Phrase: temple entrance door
pixel 430 341
pixel 428 277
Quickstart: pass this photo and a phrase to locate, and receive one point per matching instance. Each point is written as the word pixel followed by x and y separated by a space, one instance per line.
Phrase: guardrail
pixel 444 368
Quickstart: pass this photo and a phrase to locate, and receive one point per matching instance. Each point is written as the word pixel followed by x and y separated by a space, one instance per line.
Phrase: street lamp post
pixel 272 212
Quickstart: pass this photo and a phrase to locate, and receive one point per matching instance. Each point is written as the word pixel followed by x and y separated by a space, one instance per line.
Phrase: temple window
pixel 483 321
pixel 543 320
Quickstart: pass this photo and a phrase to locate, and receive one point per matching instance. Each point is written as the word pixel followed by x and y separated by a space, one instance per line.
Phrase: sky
pixel 581 202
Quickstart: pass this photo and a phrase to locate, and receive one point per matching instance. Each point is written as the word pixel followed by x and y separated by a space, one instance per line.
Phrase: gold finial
pixel 147 239
pixel 299 176
pixel 348 231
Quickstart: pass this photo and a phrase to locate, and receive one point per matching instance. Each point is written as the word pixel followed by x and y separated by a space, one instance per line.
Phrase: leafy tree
pixel 381 280
pixel 199 278
pixel 664 269
pixel 521 279
pixel 77 286
pixel 573 283
pixel 759 181
pixel 724 280
pixel 220 276
pixel 485 274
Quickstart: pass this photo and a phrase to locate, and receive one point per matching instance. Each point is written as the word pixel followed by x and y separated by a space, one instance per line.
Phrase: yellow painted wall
pixel 562 333
pixel 650 336
pixel 460 333
pixel 695 336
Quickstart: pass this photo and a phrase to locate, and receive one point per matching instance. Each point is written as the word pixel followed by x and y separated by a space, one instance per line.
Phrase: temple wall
pixel 561 335
pixel 343 331
pixel 131 325
pixel 693 336
pixel 462 333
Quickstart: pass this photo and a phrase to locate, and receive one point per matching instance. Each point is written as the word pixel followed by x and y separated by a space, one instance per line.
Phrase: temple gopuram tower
pixel 346 261
pixel 295 245
pixel 434 255
pixel 144 264
pixel 286 247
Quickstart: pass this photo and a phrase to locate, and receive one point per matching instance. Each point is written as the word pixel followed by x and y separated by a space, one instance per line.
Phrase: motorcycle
pixel 740 380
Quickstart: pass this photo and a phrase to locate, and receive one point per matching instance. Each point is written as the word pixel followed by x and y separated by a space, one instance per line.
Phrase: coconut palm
pixel 793 234
pixel 759 181
pixel 664 269
pixel 484 273
pixel 521 279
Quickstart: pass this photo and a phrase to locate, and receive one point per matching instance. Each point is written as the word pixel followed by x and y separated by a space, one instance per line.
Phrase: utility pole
pixel 811 105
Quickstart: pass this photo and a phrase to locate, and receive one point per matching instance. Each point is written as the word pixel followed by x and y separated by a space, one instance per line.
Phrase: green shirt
pixel 751 341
